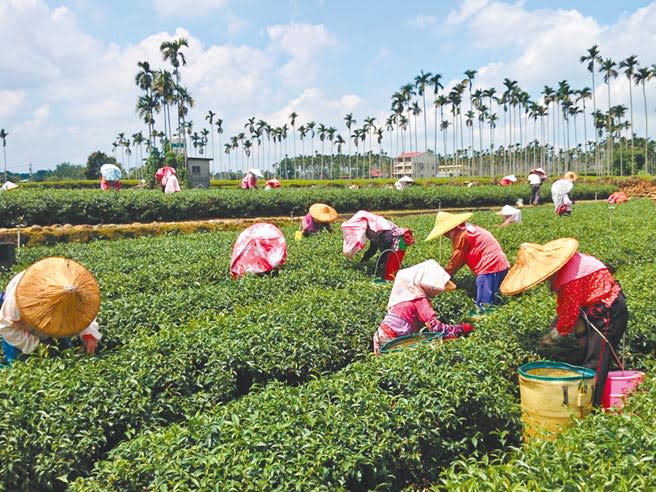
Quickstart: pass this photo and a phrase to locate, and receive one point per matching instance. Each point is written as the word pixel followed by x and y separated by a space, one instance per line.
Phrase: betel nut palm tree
pixel 607 67
pixel 642 75
pixel 591 58
pixel 629 65
pixel 421 81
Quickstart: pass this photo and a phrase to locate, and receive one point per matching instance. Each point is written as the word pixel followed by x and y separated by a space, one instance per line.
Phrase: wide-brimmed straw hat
pixel 537 262
pixel 445 221
pixel 571 176
pixel 58 296
pixel 323 213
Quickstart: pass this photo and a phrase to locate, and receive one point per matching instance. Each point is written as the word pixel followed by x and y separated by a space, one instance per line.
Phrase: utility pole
pixel 3 136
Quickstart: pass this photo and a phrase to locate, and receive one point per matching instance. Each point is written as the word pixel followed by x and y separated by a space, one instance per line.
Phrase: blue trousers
pixel 10 352
pixel 487 288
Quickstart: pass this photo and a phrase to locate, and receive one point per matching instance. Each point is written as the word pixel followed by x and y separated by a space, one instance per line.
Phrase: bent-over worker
pixel 53 298
pixel 384 236
pixel 589 301
pixel 560 194
pixel 318 219
pixel 510 215
pixel 476 247
pixel 409 308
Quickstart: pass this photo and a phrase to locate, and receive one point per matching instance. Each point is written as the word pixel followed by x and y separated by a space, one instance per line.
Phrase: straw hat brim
pixel 536 263
pixel 323 213
pixel 58 296
pixel 444 222
pixel 449 286
pixel 571 176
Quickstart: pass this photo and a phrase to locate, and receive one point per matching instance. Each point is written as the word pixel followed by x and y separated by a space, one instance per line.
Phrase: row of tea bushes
pixel 605 451
pixel 47 207
pixel 316 316
pixel 59 416
pixel 377 425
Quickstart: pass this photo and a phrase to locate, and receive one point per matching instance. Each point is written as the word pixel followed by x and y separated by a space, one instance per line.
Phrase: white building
pixel 422 165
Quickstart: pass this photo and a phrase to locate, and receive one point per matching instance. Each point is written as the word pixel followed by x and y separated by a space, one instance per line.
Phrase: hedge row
pixel 606 451
pixel 323 183
pixel 377 425
pixel 281 329
pixel 92 207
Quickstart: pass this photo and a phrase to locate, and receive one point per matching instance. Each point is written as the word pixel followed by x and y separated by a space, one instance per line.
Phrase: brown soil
pixel 640 188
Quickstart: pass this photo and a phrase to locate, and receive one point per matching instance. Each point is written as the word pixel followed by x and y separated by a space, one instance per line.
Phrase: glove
pixel 552 338
pixel 89 343
pixel 581 341
pixel 467 328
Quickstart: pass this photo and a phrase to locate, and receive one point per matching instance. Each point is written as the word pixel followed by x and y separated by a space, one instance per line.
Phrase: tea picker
pixel 585 290
pixel 318 219
pixel 560 194
pixel 53 298
pixel 384 236
pixel 511 215
pixel 476 247
pixel 259 249
pixel 409 309
pixel 110 177
pixel 249 181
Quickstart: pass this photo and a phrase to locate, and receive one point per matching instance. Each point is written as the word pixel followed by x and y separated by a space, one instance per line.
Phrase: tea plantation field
pixel 203 383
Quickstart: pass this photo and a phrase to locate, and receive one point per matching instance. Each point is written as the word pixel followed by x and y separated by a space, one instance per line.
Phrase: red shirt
pixel 477 248
pixel 599 286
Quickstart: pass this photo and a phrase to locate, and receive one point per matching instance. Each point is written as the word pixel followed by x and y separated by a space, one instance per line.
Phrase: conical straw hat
pixel 323 213
pixel 58 296
pixel 537 262
pixel 445 221
pixel 571 176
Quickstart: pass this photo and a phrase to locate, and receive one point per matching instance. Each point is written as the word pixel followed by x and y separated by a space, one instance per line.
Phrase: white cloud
pixel 303 44
pixel 467 9
pixel 421 21
pixel 236 24
pixel 10 102
pixel 176 8
pixel 313 105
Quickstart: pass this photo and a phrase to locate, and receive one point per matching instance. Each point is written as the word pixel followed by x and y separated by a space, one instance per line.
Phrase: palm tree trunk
pixel 644 96
pixel 610 133
pixel 631 109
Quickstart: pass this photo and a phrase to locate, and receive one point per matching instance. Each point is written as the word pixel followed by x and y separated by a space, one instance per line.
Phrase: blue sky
pixel 67 85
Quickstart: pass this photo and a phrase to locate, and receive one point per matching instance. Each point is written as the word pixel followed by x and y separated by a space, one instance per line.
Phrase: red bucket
pixel 618 385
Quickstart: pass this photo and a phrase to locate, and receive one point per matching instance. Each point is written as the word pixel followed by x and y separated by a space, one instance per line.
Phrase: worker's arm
pixel 90 337
pixel 382 240
pixel 459 255
pixel 12 329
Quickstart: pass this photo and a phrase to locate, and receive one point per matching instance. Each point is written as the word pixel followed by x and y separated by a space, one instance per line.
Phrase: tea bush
pixel 378 424
pixel 47 207
pixel 188 352
pixel 605 451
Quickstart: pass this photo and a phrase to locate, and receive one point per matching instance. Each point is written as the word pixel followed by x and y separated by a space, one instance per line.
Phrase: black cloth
pixel 383 241
pixel 319 226
pixel 611 321
pixel 535 194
